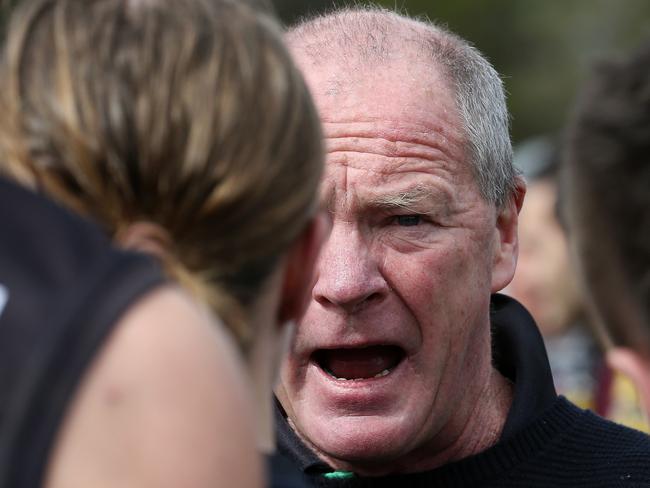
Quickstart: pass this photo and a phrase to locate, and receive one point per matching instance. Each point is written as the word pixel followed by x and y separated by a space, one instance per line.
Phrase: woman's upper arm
pixel 164 404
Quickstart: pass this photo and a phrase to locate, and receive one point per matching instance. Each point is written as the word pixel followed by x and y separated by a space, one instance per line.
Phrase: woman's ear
pixel 147 237
pixel 299 269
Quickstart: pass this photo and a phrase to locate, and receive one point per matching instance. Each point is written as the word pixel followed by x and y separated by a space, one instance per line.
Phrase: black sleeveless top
pixel 63 287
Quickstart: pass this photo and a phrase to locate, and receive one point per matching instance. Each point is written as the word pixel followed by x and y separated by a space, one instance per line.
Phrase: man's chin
pixel 365 445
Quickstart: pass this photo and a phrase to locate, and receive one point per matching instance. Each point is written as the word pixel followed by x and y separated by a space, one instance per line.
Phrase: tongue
pixel 360 363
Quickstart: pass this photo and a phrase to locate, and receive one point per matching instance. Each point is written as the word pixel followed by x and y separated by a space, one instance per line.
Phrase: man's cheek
pixel 420 275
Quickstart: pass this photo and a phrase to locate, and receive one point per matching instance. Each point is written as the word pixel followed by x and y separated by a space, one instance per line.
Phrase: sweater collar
pixel 518 353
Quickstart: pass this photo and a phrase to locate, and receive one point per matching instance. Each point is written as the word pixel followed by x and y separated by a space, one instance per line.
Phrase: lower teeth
pixel 378 375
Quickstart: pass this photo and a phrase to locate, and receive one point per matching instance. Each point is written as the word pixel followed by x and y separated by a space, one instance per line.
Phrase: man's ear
pixel 635 367
pixel 299 271
pixel 506 245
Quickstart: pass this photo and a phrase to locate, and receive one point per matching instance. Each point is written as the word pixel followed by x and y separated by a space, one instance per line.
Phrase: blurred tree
pixel 292 10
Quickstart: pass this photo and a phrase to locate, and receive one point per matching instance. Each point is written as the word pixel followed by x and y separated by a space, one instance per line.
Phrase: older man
pixel 391 379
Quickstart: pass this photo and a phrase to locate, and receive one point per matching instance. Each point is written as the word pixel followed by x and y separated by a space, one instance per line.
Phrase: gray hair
pixel 356 37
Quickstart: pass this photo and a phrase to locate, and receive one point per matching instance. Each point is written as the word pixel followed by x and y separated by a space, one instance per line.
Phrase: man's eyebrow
pixel 405 199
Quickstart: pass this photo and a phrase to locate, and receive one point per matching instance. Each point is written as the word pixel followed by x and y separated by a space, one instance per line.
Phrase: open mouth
pixel 354 364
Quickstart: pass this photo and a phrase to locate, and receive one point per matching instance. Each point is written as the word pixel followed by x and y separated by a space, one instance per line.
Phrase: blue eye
pixel 408 220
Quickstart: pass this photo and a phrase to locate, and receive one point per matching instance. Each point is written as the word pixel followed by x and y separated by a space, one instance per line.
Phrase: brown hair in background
pixel 607 191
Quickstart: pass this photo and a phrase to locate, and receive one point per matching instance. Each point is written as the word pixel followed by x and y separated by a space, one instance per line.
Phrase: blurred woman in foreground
pixel 183 130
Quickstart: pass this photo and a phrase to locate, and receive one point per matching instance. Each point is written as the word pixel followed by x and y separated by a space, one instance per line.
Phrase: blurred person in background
pixel 182 131
pixel 544 282
pixel 605 186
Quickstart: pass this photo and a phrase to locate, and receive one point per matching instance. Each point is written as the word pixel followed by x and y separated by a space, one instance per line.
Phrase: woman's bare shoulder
pixel 163 404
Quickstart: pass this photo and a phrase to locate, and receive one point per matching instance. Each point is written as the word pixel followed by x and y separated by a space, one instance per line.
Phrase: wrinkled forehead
pixel 402 100
pixel 372 180
pixel 391 132
pixel 352 189
pixel 396 85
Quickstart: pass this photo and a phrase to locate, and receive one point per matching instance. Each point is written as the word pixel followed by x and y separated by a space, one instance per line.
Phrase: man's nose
pixel 348 276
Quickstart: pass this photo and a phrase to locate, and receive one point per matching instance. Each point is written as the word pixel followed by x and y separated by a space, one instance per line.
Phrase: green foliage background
pixel 542 48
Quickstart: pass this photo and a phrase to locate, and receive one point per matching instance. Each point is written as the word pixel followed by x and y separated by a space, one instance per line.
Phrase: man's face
pixel 397 331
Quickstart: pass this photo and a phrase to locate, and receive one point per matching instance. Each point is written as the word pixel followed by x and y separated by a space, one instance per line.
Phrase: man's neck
pixel 478 430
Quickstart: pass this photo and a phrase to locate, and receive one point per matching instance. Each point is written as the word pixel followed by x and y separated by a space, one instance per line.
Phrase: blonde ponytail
pixel 186 114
